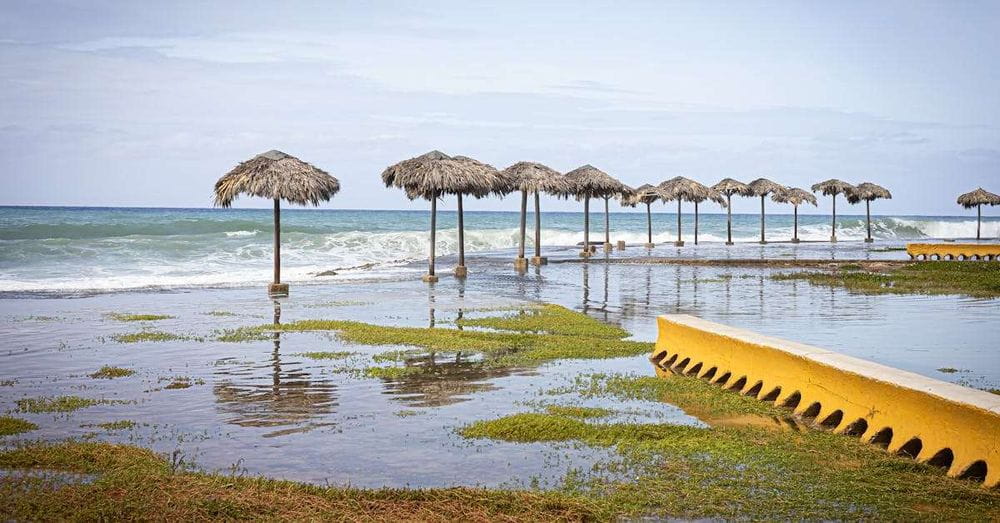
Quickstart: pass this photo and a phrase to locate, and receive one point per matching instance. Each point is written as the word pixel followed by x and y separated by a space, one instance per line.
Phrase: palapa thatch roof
pixel 729 187
pixel 833 187
pixel 978 197
pixel 276 175
pixel 868 191
pixel 436 173
pixel 794 196
pixel 689 190
pixel 535 177
pixel 644 194
pixel 589 181
pixel 763 187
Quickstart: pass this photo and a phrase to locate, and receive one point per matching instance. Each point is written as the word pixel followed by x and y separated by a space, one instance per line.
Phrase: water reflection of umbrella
pixel 588 182
pixel 435 174
pixel 442 382
pixel 867 192
pixel 796 197
pixel 728 187
pixel 763 187
pixel 533 178
pixel 977 199
pixel 833 187
pixel 277 176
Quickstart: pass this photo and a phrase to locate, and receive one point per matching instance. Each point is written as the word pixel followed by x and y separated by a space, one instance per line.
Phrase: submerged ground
pixel 530 393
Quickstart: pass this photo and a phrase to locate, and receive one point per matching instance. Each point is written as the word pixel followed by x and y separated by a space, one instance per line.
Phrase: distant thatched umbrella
pixel 868 191
pixel 796 197
pixel 434 174
pixel 277 176
pixel 762 187
pixel 680 188
pixel 588 182
pixel 530 177
pixel 646 194
pixel 977 199
pixel 704 193
pixel 728 187
pixel 833 187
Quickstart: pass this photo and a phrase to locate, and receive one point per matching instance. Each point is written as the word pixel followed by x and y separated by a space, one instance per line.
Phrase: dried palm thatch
pixel 728 187
pixel 277 176
pixel 762 187
pixel 433 174
pixel 535 178
pixel 833 187
pixel 977 199
pixel 796 197
pixel 868 192
pixel 588 182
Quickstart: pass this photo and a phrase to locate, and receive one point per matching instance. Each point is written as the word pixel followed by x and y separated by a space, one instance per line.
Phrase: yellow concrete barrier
pixel 954 251
pixel 933 421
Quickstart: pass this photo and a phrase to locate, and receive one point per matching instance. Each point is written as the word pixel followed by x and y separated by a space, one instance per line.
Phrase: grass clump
pixel 134 483
pixel 221 314
pixel 119 316
pixel 117 425
pixel 572 411
pixel 59 404
pixel 580 337
pixel 548 319
pixel 141 336
pixel 109 372
pixel 336 355
pixel 977 279
pixel 948 370
pixel 10 425
pixel 392 373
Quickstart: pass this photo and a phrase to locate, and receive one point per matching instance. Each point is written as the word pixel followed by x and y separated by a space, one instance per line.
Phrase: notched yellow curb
pixel 933 421
pixel 953 251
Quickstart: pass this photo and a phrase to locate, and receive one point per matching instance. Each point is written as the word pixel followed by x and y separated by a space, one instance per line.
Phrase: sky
pixel 148 103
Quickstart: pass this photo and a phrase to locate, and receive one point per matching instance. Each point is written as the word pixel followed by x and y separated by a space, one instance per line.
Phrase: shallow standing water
pixel 262 407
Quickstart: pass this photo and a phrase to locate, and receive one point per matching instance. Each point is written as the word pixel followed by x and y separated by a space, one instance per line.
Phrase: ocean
pixel 76 249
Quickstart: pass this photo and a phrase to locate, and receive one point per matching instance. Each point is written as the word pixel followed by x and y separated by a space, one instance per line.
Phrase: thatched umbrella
pixel 977 199
pixel 588 182
pixel 277 176
pixel 763 187
pixel 535 178
pixel 796 197
pixel 434 174
pixel 646 194
pixel 867 192
pixel 704 193
pixel 833 187
pixel 679 188
pixel 728 187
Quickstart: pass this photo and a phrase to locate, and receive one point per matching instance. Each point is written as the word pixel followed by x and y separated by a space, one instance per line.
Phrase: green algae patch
pixel 59 404
pixel 977 279
pixel 134 483
pixel 137 337
pixel 10 425
pixel 513 342
pixel 392 373
pixel 573 411
pixel 319 355
pixel 548 319
pixel 108 372
pixel 117 425
pixel 119 316
pixel 738 472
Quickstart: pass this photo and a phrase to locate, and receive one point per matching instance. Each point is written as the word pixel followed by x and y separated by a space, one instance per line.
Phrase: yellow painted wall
pixel 988 251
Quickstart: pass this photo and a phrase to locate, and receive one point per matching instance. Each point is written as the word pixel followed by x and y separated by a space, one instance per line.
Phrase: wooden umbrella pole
pixel 868 215
pixel 586 225
pixel 833 225
pixel 607 224
pixel 795 231
pixel 762 240
pixel 538 228
pixel 679 242
pixel 461 233
pixel 277 241
pixel 696 223
pixel 649 224
pixel 979 219
pixel 430 268
pixel 524 216
pixel 729 219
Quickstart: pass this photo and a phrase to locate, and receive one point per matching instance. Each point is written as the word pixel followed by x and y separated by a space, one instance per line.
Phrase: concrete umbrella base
pixel 795 240
pixel 869 240
pixel 539 260
pixel 730 243
pixel 521 264
pixel 428 278
pixel 277 290
pixel 650 245
pixel 461 271
pixel 621 245
pixel 679 243
pixel 586 253
pixel 608 247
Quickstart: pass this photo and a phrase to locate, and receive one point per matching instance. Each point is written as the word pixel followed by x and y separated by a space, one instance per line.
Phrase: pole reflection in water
pixel 284 394
pixel 586 286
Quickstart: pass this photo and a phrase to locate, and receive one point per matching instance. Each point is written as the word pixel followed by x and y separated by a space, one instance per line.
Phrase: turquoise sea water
pixel 62 249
